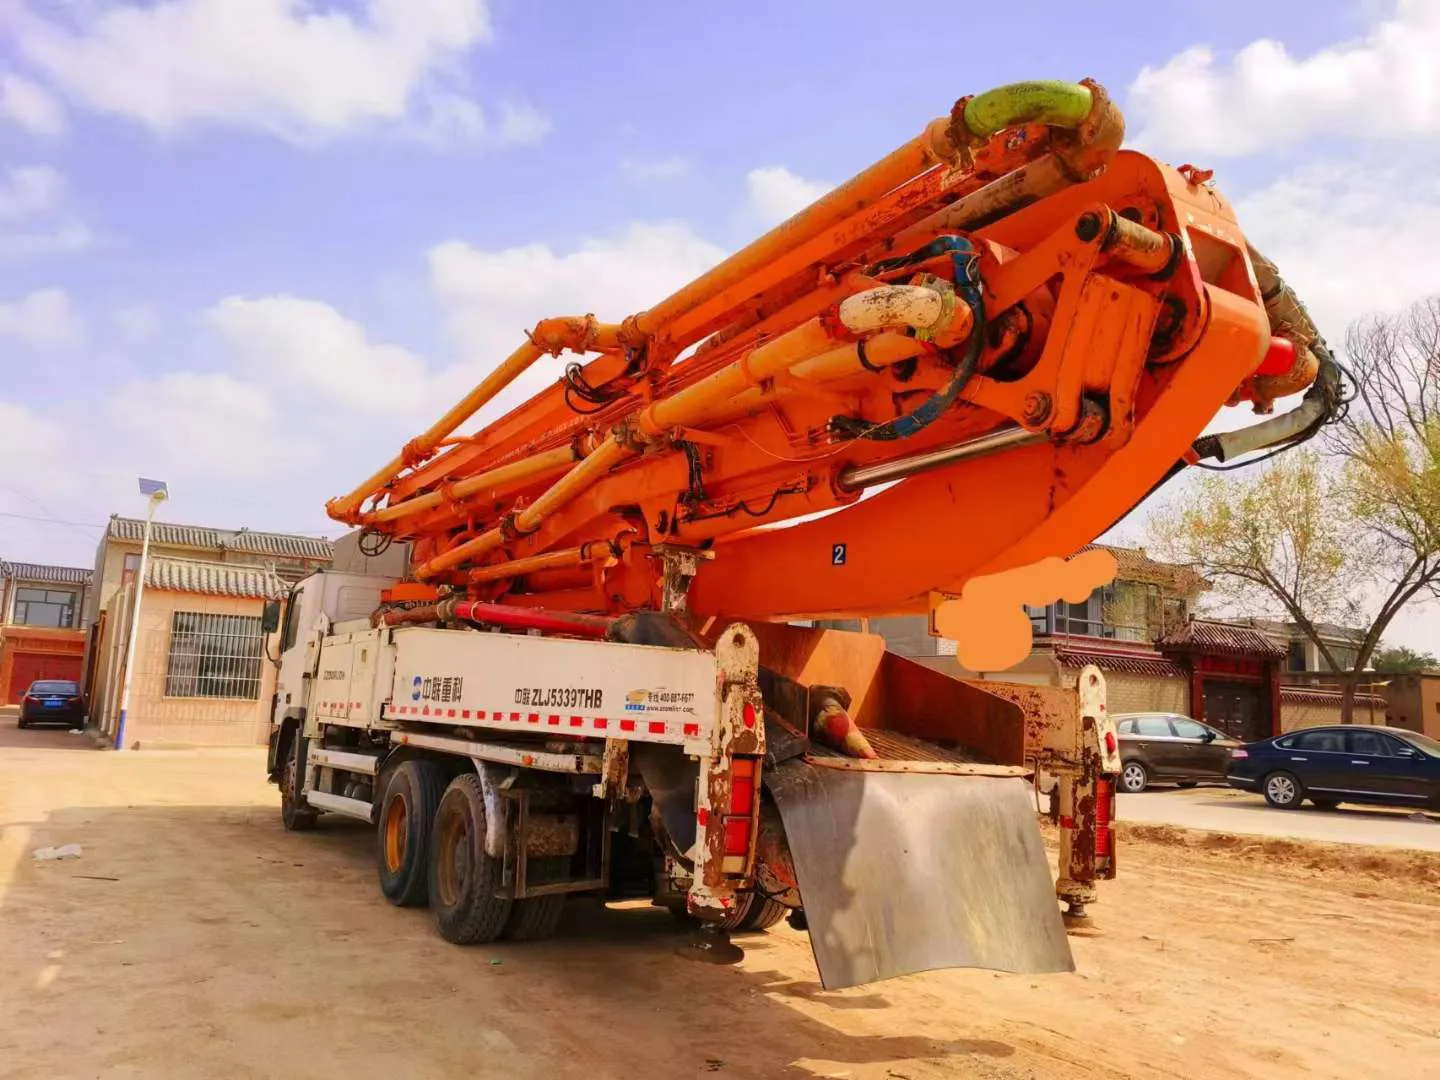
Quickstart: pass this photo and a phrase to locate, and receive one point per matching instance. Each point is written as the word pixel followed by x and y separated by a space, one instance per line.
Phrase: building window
pixel 1296 661
pixel 45 607
pixel 216 656
pixel 1345 657
pixel 1084 618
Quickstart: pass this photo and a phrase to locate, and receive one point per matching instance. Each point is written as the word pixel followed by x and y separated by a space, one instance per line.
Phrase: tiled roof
pixel 55 575
pixel 212 578
pixel 1134 565
pixel 284 545
pixel 1309 695
pixel 1203 635
pixel 1127 662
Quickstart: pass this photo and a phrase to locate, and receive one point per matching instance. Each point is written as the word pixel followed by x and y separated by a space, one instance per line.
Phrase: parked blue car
pixel 1330 765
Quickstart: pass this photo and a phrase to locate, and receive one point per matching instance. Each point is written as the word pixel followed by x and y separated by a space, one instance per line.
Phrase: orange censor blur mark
pixel 989 624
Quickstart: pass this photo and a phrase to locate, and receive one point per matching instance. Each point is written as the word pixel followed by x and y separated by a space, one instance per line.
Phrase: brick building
pixel 40 611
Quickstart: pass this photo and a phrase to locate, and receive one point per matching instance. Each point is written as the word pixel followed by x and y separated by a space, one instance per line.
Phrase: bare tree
pixel 1388 445
pixel 1353 536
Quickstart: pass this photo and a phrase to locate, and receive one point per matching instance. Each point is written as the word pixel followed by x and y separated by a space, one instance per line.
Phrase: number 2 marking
pixel 837 554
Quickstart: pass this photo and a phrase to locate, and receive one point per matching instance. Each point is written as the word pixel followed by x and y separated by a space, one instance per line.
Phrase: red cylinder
pixel 519 618
pixel 1279 357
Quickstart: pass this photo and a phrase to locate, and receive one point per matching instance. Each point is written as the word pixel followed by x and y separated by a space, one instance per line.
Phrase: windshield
pixel 1423 742
pixel 54 686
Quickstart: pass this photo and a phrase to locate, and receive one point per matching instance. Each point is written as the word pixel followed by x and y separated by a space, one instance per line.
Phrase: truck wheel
pixel 734 918
pixel 296 818
pixel 763 914
pixel 402 834
pixel 463 879
pixel 534 918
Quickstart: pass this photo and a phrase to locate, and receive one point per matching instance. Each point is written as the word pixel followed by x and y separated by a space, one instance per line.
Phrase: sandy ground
pixel 1218 809
pixel 195 938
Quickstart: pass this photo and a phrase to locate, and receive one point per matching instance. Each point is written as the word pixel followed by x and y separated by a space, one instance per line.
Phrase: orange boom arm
pixel 1013 326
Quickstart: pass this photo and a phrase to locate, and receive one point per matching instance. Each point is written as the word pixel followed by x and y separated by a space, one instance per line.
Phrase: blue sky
pixel 252 245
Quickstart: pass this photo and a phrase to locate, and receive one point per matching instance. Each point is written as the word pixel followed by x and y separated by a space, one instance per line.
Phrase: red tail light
pixel 737 836
pixel 1109 742
pixel 740 819
pixel 1104 796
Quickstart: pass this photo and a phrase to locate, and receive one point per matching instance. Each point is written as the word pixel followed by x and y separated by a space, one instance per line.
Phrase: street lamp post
pixel 157 493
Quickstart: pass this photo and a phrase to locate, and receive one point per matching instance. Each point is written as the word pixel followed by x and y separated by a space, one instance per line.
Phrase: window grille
pixel 216 656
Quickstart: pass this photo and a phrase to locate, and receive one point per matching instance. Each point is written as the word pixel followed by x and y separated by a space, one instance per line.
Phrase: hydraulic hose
pixel 1289 318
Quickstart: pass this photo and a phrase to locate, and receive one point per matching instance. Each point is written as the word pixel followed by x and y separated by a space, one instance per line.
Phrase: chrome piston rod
pixel 857 477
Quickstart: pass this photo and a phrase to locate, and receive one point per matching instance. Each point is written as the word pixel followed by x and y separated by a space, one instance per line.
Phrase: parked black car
pixel 1330 765
pixel 1170 748
pixel 53 701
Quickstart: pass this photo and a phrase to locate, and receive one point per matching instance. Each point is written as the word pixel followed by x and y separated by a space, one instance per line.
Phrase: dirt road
pixel 195 938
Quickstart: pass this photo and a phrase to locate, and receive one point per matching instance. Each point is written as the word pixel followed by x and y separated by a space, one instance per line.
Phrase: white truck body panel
pixel 555 685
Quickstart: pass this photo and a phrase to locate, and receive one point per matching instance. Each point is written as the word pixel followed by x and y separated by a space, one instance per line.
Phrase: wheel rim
pixel 395 831
pixel 1281 789
pixel 1134 777
pixel 453 860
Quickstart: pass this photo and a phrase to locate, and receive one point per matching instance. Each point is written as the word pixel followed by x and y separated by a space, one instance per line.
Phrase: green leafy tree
pixel 1401 660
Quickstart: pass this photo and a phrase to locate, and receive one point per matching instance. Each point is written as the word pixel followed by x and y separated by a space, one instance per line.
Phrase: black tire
pixel 534 918
pixel 763 914
pixel 1134 777
pixel 462 878
pixel 402 831
pixel 1324 804
pixel 1187 783
pixel 734 918
pixel 23 724
pixel 295 817
pixel 1283 790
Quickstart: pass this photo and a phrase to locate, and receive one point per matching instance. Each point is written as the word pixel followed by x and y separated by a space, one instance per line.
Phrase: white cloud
pixel 200 425
pixel 317 354
pixel 29 190
pixel 66 238
pixel 1350 237
pixel 300 70
pixel 492 297
pixel 43 319
pixel 35 195
pixel 137 322
pixel 453 118
pixel 774 193
pixel 30 106
pixel 1386 85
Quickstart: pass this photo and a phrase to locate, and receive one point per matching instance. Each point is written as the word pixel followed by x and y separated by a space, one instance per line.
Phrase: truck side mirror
pixel 270 617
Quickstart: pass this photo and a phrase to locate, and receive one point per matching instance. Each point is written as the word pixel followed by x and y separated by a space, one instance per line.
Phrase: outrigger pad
pixel 904 872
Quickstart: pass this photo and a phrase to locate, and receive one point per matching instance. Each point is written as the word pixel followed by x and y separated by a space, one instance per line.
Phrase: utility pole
pixel 157 493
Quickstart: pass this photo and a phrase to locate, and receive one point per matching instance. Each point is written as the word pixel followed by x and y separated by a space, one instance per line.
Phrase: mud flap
pixel 903 872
